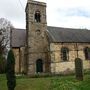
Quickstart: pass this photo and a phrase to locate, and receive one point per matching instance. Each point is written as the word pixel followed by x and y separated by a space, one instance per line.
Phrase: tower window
pixel 37 16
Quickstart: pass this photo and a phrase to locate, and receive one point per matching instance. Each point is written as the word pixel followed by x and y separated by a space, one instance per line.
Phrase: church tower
pixel 37 45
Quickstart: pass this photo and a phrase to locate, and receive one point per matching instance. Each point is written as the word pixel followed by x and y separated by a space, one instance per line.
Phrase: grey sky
pixel 12 10
pixel 62 13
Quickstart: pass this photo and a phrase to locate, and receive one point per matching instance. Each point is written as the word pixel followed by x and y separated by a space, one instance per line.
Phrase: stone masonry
pixel 59 66
pixel 37 44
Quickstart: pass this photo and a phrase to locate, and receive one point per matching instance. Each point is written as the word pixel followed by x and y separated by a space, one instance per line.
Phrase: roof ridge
pixel 67 28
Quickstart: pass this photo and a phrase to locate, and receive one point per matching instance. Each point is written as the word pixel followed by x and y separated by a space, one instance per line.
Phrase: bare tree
pixel 5 35
pixel 5 40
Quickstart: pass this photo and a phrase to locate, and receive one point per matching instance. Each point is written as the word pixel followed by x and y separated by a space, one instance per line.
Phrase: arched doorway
pixel 39 65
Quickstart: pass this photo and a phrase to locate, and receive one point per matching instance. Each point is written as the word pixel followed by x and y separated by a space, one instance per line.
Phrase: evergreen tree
pixel 10 71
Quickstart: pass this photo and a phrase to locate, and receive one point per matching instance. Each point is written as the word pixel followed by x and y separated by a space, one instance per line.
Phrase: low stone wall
pixel 67 67
pixel 86 64
pixel 62 67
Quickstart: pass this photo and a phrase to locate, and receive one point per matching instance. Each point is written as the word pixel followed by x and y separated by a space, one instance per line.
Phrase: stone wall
pixel 32 62
pixel 17 59
pixel 75 50
pixel 19 54
pixel 22 60
pixel 37 44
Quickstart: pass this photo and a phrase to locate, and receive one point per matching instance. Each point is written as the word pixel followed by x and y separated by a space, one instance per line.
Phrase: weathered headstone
pixel 79 69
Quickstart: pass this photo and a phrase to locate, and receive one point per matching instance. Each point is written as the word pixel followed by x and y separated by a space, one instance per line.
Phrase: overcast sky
pixel 62 13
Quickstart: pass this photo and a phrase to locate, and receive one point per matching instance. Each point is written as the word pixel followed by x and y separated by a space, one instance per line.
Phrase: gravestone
pixel 79 69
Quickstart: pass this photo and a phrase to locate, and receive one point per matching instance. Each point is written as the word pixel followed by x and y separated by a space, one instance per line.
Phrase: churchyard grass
pixel 48 83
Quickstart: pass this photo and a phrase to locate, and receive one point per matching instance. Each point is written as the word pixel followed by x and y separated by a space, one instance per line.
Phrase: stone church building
pixel 47 49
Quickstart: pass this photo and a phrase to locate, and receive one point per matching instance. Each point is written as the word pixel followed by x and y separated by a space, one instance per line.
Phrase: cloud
pixel 62 13
pixel 74 12
pixel 74 22
pixel 69 13
pixel 13 11
pixel 69 3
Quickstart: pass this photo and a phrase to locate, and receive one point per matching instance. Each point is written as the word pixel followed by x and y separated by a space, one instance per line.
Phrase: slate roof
pixel 57 34
pixel 18 37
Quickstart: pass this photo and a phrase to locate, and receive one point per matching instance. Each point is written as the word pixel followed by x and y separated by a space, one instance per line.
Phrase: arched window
pixel 37 16
pixel 87 53
pixel 65 54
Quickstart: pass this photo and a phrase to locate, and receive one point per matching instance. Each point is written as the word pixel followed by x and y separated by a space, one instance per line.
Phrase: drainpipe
pixel 77 49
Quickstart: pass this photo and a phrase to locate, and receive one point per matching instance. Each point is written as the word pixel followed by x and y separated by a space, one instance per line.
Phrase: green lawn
pixel 49 83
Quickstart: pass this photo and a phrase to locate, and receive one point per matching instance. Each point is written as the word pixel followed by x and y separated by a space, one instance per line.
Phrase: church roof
pixel 57 34
pixel 18 37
